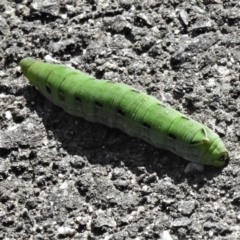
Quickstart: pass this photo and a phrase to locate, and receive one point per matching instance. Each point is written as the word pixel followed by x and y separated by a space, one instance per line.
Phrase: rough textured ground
pixel 62 177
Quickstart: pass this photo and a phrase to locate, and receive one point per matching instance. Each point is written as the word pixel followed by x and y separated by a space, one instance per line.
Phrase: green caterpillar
pixel 121 106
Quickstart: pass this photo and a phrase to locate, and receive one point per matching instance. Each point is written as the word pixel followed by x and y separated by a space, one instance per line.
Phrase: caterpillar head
pixel 217 155
pixel 211 149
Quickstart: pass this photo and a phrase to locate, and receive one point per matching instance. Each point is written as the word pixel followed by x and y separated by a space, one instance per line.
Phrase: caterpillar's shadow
pixel 108 146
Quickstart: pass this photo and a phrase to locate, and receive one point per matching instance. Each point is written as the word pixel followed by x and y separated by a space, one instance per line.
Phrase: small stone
pixel 65 231
pixel 184 16
pixel 181 222
pixel 165 236
pixel 186 207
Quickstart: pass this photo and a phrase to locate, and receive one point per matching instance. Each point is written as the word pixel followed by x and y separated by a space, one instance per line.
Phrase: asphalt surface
pixel 62 177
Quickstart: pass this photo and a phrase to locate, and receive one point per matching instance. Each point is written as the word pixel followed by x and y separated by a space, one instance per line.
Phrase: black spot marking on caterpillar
pixel 184 117
pixel 194 142
pixel 61 95
pixel 48 89
pixel 78 99
pixel 133 90
pixel 172 136
pixel 120 112
pixel 146 125
pixel 98 104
